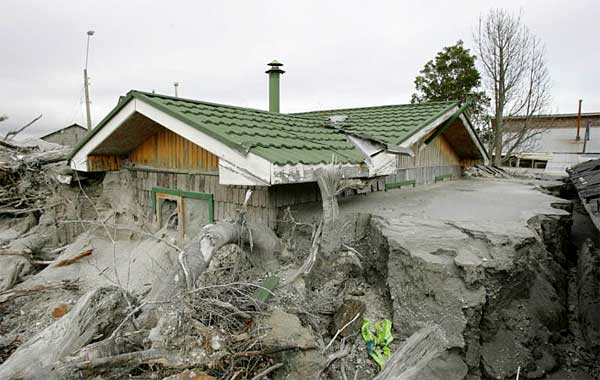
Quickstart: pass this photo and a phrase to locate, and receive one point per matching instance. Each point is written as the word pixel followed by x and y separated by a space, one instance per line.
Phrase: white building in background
pixel 559 145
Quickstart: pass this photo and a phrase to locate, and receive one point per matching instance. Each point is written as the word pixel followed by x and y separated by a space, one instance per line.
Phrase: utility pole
pixel 587 135
pixel 86 84
pixel 176 85
pixel 578 120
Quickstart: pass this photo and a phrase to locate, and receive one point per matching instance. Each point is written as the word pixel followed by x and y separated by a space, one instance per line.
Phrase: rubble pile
pixel 486 171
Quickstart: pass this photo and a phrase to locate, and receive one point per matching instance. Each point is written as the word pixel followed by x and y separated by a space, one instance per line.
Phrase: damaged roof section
pixel 586 179
pixel 398 127
pixel 390 125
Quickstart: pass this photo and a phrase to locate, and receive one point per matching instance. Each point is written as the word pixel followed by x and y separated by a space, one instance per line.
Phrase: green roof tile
pixel 279 138
pixel 386 124
pixel 303 138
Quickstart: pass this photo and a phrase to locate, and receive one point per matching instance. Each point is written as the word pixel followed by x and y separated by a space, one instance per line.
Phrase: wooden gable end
pixel 168 150
pixel 163 150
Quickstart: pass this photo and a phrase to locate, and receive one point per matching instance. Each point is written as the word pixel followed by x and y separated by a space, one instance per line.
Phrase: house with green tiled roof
pixel 202 157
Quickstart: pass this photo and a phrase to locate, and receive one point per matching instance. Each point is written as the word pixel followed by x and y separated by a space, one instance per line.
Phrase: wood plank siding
pixel 101 163
pixel 438 159
pixel 163 150
pixel 168 150
pixel 437 153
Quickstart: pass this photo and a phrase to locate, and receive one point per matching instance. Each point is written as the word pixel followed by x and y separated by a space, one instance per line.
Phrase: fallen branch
pixel 312 257
pixel 71 260
pixel 342 353
pixel 276 350
pixel 340 330
pixel 15 132
pixel 230 307
pixel 16 293
pixel 267 371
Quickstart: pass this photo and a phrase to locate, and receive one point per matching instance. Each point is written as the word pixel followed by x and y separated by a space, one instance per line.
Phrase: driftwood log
pixel 415 354
pixel 96 314
pixel 62 350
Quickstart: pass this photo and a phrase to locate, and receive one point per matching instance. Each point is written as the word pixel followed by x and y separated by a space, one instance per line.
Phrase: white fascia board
pixel 433 125
pixel 250 162
pixel 366 147
pixel 310 173
pixel 79 161
pixel 471 131
pixel 230 174
pixel 383 164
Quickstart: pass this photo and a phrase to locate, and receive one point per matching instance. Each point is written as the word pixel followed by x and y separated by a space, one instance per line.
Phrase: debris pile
pixel 375 297
pixel 486 171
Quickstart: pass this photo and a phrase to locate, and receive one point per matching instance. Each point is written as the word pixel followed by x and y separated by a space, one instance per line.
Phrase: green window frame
pixel 186 194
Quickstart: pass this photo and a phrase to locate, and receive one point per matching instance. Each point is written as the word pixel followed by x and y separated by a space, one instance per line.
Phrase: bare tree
pixel 11 134
pixel 515 72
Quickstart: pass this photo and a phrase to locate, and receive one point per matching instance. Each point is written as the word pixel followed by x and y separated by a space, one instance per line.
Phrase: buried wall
pixel 435 161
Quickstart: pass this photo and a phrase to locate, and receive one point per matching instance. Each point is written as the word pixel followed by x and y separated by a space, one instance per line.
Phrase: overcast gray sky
pixel 336 53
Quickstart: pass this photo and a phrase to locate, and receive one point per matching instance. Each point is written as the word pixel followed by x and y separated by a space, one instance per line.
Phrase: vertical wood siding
pixel 170 151
pixel 438 153
pixel 101 163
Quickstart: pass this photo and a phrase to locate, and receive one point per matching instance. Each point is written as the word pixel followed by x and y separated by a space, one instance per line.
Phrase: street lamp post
pixel 86 82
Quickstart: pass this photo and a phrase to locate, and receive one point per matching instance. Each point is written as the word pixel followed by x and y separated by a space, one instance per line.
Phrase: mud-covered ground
pixel 493 262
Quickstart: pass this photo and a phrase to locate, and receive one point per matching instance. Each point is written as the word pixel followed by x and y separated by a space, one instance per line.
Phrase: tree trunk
pixel 47 157
pixel 415 354
pixel 102 311
pixel 196 256
pixel 498 150
pixel 11 268
pixel 96 314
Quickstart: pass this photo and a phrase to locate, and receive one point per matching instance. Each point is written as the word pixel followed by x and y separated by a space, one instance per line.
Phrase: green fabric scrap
pixel 378 343
pixel 265 291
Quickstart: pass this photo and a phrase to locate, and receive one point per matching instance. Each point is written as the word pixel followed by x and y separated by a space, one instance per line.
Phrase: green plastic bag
pixel 378 343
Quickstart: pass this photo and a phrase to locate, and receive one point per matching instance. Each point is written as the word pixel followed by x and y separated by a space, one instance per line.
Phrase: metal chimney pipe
pixel 578 120
pixel 274 73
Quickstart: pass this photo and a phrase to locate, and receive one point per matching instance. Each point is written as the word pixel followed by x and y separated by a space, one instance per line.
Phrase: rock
pixel 503 355
pixel 283 329
pixel 217 342
pixel 346 313
pixel 574 374
pixel 447 366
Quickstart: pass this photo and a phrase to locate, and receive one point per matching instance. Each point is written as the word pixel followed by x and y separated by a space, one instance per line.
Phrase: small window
pixel 185 212
pixel 169 210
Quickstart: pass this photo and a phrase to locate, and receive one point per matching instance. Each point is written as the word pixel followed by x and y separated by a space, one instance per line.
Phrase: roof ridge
pixel 196 101
pixel 374 107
